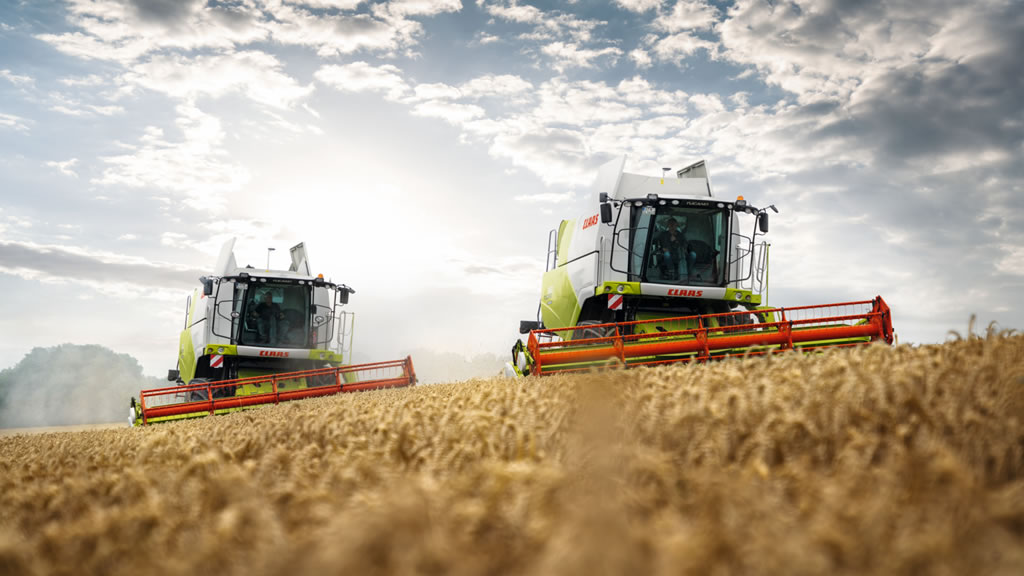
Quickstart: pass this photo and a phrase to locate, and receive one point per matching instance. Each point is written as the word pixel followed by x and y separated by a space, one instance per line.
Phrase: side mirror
pixel 207 286
pixel 602 197
pixel 525 326
pixel 343 296
pixel 606 213
pixel 762 222
pixel 172 375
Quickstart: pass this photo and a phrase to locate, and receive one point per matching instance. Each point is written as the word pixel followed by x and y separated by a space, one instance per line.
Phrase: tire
pixel 583 330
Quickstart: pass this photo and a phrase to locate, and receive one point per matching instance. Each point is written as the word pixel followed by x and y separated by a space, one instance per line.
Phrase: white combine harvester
pixel 255 336
pixel 662 271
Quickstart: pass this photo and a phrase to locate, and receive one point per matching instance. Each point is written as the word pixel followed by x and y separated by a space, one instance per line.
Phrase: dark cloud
pixel 170 13
pixel 62 263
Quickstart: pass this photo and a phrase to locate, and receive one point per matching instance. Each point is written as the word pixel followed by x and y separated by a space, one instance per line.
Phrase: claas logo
pixel 681 292
pixel 273 354
pixel 590 221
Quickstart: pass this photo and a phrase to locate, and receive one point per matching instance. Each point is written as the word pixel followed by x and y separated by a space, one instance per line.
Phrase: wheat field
pixel 879 460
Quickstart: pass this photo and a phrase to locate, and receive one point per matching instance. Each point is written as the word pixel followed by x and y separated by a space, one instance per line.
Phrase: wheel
pixel 583 330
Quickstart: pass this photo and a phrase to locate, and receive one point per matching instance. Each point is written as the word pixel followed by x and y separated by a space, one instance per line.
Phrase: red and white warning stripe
pixel 615 301
pixel 216 360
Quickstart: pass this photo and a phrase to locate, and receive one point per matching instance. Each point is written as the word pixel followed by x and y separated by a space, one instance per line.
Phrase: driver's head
pixel 671 223
pixel 267 299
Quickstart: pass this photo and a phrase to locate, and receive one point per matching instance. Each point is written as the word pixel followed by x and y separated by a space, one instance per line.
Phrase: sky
pixel 422 150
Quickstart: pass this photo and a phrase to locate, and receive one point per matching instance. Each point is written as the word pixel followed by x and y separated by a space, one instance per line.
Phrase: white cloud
pixel 677 47
pixel 451 112
pixel 311 111
pixel 14 122
pixel 687 15
pixel 128 33
pixel 567 56
pixel 639 5
pixel 546 26
pixel 127 237
pixel 258 75
pixel 362 77
pixel 112 30
pixel 337 4
pixel 423 7
pixel 547 198
pixel 641 58
pixel 516 13
pixel 74 107
pixel 344 33
pixel 483 38
pixel 495 85
pixel 65 167
pixel 195 167
pixel 436 91
pixel 17 79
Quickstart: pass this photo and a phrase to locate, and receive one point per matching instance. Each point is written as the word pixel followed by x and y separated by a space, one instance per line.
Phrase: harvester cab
pixel 660 260
pixel 265 335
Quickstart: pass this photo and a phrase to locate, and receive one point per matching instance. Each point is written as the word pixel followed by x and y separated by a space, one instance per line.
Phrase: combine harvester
pixel 661 272
pixel 253 337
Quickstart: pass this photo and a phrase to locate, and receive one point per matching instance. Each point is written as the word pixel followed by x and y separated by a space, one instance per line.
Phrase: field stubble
pixel 883 460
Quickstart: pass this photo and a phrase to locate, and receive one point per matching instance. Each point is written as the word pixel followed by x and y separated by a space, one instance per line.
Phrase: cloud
pixel 1012 261
pixel 494 85
pixel 195 168
pixel 106 272
pixel 126 31
pixel 567 56
pixel 338 34
pixel 162 31
pixel 89 80
pixel 17 79
pixel 817 49
pixel 423 7
pixel 546 26
pixel 75 107
pixel 513 12
pixel 451 112
pixel 362 77
pixel 566 197
pixel 641 58
pixel 483 38
pixel 639 5
pixel 337 4
pixel 14 122
pixel 256 74
pixel 65 167
pixel 687 15
pixel 677 47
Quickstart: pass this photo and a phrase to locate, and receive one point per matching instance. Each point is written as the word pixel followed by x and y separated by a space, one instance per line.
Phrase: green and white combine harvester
pixel 253 337
pixel 661 271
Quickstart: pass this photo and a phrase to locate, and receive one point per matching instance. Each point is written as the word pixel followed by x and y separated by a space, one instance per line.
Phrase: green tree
pixel 70 384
